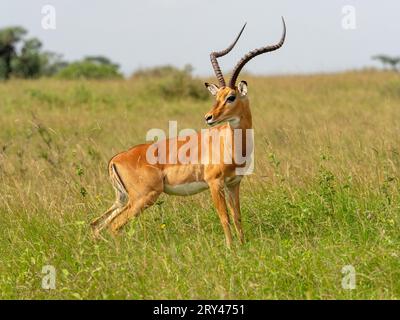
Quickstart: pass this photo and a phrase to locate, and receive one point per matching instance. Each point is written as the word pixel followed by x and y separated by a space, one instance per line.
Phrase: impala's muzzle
pixel 209 119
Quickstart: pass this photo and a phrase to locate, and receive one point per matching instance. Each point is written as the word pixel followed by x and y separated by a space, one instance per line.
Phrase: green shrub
pixel 169 82
pixel 162 72
pixel 89 70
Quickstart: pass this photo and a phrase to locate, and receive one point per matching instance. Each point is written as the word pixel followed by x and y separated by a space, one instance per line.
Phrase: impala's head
pixel 231 99
pixel 229 103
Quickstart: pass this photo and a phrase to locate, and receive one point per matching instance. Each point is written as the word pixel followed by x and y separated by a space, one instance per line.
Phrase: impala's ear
pixel 212 88
pixel 242 87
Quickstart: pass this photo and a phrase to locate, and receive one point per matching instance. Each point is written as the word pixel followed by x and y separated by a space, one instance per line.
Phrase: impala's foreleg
pixel 218 196
pixel 234 208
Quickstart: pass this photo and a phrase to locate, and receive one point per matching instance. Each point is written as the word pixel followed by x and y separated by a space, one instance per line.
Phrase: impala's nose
pixel 208 118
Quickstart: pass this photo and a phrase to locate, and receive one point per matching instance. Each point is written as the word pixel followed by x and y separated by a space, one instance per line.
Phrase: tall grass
pixel 325 193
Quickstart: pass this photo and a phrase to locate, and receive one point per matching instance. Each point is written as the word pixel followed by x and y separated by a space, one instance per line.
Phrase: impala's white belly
pixel 187 189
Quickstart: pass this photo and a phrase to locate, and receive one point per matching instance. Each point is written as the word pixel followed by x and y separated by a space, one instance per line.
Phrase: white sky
pixel 155 32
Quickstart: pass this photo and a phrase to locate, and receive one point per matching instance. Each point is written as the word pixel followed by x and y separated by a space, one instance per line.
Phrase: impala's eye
pixel 230 99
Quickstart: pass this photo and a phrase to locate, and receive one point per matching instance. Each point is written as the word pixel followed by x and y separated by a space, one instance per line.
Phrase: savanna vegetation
pixel 325 192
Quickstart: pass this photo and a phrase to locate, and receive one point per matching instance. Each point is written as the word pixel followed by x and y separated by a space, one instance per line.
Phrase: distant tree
pixel 28 63
pixel 9 38
pixel 392 62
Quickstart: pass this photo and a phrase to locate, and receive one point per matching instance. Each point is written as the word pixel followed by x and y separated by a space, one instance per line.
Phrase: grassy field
pixel 325 193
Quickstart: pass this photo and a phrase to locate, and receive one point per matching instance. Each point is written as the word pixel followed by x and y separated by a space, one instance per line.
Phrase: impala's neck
pixel 245 120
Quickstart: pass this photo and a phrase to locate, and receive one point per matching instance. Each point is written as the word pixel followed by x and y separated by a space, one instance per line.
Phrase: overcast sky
pixel 154 32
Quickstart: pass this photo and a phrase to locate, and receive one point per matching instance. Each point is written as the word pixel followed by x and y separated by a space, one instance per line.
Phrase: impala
pixel 138 180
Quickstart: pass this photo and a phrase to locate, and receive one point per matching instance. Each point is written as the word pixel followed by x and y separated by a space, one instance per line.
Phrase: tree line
pixel 22 57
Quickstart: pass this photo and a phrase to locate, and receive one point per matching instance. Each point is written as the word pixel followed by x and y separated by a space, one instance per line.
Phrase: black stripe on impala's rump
pixel 114 167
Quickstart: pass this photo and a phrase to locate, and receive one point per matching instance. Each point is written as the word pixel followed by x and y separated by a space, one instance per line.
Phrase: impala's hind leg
pixel 98 222
pixel 133 209
pixel 102 222
pixel 119 205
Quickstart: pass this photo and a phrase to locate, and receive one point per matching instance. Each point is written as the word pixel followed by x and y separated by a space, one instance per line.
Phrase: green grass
pixel 325 193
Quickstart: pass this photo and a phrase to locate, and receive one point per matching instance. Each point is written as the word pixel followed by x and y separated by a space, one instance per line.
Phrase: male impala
pixel 138 180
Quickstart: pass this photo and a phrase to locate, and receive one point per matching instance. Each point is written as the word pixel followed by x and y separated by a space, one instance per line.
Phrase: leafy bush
pixel 89 70
pixel 170 82
pixel 162 72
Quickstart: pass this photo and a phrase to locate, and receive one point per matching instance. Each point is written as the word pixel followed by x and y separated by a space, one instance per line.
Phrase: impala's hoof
pixel 95 231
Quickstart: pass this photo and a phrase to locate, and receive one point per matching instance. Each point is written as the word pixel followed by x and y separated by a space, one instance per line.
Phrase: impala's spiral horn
pixel 217 54
pixel 252 54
